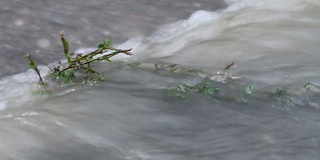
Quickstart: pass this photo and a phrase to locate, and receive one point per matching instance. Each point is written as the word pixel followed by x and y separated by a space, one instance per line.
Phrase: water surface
pixel 132 116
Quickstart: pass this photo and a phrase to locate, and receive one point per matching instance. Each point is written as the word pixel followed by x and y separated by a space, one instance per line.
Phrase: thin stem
pixel 34 66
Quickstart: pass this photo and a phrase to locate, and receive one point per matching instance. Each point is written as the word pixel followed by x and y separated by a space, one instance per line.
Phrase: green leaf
pixel 100 46
pixel 307 85
pixel 107 42
pixel 93 71
pixel 32 65
pixel 67 74
pixel 64 43
pixel 134 64
pixel 249 89
pixel 280 91
pixel 209 90
pixel 40 93
pixel 183 90
pixel 65 48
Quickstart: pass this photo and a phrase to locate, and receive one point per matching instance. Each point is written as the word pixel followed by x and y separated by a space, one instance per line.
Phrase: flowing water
pixel 132 116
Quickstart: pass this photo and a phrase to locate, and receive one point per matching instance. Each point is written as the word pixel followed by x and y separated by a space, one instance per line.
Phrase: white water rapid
pixel 130 117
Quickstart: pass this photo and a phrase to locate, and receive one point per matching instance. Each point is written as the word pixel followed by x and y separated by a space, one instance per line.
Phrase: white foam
pixel 17 90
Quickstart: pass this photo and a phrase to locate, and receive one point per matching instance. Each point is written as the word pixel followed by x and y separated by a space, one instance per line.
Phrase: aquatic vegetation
pixel 311 87
pixel 280 91
pixel 41 92
pixel 249 89
pixel 279 97
pixel 184 91
pixel 247 93
pixel 34 66
pixel 220 76
pixel 79 63
pixel 134 64
pixel 175 68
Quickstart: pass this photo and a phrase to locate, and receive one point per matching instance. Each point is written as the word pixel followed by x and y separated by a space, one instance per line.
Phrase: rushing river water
pixel 264 109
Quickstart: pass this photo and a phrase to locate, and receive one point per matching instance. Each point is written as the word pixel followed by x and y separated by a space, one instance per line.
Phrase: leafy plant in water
pixel 41 92
pixel 34 66
pixel 280 91
pixel 249 89
pixel 134 64
pixel 80 62
pixel 243 97
pixel 183 91
pixel 307 85
pixel 174 68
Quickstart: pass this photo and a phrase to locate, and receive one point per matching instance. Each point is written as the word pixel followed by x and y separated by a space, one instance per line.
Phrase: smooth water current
pixel 131 116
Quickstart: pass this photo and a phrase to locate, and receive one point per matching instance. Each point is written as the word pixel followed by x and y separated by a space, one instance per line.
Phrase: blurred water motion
pixel 130 115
